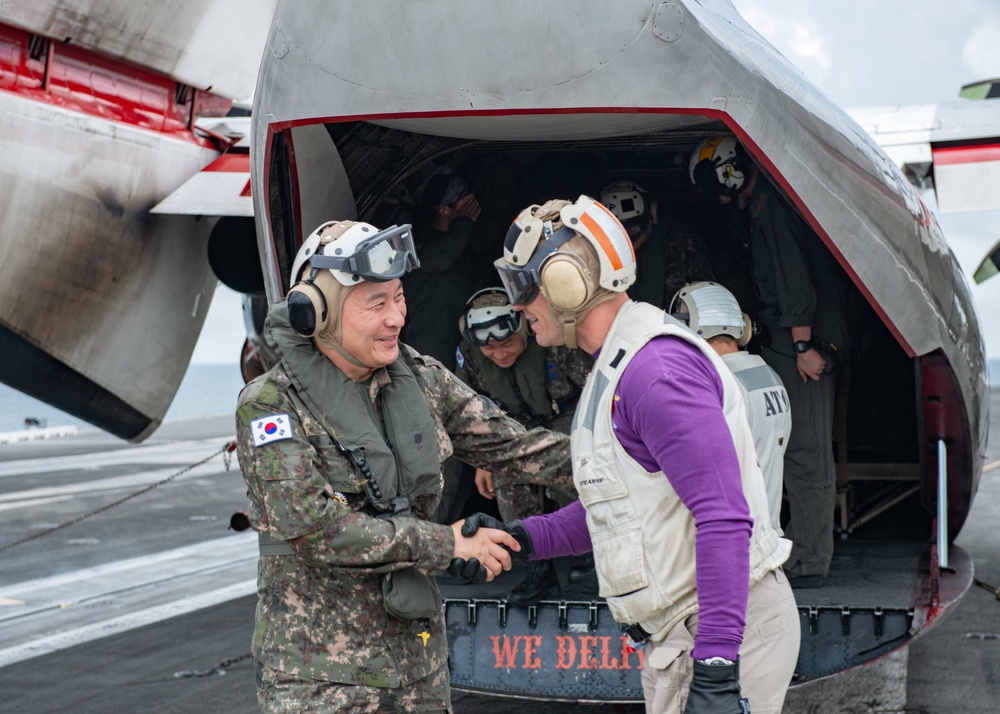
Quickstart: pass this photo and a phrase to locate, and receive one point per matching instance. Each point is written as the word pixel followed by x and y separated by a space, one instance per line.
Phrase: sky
pixel 869 53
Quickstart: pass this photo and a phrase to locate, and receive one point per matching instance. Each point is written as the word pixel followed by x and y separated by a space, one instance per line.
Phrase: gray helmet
pixel 711 310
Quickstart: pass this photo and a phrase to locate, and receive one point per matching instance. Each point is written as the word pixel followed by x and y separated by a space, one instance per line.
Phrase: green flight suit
pixel 798 283
pixel 324 640
pixel 540 389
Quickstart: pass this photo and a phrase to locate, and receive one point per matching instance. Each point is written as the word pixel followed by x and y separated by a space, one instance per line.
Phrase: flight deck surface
pixel 103 656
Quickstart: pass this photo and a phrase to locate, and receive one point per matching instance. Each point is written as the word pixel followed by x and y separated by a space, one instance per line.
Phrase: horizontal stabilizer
pixel 220 189
pixel 966 177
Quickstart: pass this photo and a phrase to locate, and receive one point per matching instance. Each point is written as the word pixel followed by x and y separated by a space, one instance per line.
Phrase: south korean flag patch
pixel 274 427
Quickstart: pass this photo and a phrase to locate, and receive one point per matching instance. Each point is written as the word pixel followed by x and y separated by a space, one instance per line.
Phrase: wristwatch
pixel 803 346
pixel 716 662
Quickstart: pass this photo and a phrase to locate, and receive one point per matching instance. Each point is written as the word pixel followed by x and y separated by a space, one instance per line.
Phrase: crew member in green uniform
pixel 537 386
pixel 802 308
pixel 437 290
pixel 669 253
pixel 341 445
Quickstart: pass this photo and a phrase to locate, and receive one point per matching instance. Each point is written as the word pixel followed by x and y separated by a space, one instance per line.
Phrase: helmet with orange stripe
pixel 576 254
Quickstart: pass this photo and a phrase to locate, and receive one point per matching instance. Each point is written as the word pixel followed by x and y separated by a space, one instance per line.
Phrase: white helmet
pixel 576 254
pixel 626 200
pixel 719 166
pixel 362 252
pixel 490 316
pixel 333 259
pixel 711 310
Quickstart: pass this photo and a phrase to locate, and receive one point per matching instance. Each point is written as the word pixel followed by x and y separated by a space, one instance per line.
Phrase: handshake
pixel 484 547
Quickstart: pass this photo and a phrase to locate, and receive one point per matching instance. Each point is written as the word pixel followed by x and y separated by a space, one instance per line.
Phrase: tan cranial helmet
pixel 334 258
pixel 576 253
pixel 711 310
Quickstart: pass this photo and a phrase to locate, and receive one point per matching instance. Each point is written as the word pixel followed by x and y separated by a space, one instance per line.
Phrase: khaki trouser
pixel 768 654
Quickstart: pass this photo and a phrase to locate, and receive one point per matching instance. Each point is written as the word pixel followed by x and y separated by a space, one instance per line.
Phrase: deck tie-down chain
pixel 992 589
pixel 218 669
pixel 226 452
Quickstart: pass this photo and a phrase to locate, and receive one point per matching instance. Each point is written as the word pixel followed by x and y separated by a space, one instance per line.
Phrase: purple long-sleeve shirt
pixel 668 416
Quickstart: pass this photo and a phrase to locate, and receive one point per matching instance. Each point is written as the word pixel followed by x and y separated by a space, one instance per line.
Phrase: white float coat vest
pixel 643 534
pixel 770 421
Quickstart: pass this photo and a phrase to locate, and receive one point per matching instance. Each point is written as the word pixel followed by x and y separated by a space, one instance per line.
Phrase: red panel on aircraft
pixel 83 81
pixel 966 154
pixel 231 163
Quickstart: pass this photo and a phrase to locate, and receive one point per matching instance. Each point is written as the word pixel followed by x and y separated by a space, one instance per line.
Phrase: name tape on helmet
pixel 273 427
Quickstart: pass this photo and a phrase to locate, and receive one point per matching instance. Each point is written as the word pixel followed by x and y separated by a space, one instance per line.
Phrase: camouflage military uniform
pixel 558 374
pixel 673 256
pixel 323 639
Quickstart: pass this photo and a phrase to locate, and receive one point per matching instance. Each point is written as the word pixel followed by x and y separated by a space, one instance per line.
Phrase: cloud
pixel 979 54
pixel 797 38
pixel 807 45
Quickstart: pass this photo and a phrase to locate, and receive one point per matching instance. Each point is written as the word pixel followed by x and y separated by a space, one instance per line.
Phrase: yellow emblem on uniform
pixel 340 498
pixel 425 635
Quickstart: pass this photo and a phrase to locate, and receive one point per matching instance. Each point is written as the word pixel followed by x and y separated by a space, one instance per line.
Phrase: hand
pixel 468 570
pixel 515 528
pixel 810 364
pixel 484 484
pixel 468 206
pixel 715 689
pixel 489 546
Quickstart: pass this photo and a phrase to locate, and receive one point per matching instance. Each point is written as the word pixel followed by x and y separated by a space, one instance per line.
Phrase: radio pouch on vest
pixel 411 595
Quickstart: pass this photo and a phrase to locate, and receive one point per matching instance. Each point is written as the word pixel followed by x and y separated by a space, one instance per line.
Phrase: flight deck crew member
pixel 537 386
pixel 672 500
pixel 802 311
pixel 341 445
pixel 715 315
pixel 669 253
pixel 436 291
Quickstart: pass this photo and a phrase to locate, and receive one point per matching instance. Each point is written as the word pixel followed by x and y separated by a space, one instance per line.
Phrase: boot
pixel 540 583
pixel 583 572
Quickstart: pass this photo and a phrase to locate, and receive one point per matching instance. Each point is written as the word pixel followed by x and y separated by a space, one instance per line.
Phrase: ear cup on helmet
pixel 307 309
pixel 747 331
pixel 564 281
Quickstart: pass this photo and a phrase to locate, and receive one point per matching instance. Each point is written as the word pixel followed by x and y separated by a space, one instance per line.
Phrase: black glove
pixel 468 570
pixel 482 520
pixel 715 689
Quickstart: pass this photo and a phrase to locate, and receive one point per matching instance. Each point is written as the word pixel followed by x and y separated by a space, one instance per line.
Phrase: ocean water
pixel 207 390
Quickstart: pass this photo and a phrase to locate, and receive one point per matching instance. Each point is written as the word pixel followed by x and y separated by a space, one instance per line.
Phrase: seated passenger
pixel 535 385
pixel 669 253
pixel 713 312
pixel 436 291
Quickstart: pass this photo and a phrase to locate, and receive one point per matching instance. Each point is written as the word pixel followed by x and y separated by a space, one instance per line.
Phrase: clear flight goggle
pixel 387 255
pixel 522 281
pixel 482 327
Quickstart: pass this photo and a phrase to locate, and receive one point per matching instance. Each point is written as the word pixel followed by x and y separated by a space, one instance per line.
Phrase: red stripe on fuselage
pixel 79 80
pixel 966 154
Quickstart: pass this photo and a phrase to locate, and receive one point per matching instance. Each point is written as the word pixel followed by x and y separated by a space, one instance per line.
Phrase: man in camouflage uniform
pixel 537 386
pixel 669 253
pixel 340 445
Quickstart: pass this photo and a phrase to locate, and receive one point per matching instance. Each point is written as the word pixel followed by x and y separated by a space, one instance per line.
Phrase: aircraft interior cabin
pixel 884 569
pixel 877 431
